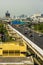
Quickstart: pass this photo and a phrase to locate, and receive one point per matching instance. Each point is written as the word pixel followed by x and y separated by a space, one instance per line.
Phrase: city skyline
pixel 18 7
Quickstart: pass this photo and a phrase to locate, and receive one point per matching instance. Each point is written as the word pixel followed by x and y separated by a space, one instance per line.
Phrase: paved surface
pixel 36 39
pixel 14 59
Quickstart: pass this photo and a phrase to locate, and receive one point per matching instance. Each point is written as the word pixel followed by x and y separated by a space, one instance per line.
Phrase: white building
pixel 37 18
pixel 35 15
pixel 41 19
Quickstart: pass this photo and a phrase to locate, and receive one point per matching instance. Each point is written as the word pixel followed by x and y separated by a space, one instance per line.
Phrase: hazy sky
pixel 18 7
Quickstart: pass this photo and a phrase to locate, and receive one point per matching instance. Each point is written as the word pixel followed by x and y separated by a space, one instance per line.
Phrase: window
pixel 23 52
pixel 17 52
pixel 11 51
pixel 5 52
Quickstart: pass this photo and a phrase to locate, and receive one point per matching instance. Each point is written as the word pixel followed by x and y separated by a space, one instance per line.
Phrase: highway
pixel 35 38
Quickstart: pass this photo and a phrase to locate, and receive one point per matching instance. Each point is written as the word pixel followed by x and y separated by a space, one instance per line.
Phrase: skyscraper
pixel 7 14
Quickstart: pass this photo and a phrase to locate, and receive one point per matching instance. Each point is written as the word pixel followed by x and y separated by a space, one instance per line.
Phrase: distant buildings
pixel 37 18
pixel 7 14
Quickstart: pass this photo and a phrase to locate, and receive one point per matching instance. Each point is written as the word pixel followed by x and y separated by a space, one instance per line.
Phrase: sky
pixel 18 7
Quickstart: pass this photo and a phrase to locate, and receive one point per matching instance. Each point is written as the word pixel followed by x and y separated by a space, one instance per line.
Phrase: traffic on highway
pixel 33 36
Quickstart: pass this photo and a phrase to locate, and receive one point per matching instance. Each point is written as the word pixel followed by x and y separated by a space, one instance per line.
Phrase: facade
pixel 12 49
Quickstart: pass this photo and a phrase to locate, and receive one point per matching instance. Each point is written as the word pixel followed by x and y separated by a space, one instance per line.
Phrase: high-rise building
pixel 7 14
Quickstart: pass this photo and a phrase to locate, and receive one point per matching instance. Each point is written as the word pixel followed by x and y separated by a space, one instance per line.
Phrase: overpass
pixel 36 51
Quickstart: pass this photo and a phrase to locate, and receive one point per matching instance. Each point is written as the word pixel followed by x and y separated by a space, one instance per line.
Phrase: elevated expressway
pixel 36 51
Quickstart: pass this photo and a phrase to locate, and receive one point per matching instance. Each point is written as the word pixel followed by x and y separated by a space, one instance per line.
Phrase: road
pixel 36 39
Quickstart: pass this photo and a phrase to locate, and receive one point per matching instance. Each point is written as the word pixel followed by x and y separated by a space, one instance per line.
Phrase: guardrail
pixel 32 45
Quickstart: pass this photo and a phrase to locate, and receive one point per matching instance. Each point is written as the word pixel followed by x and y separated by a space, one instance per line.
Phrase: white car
pixel 40 35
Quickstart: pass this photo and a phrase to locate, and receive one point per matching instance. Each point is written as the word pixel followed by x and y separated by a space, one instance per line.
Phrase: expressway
pixel 35 36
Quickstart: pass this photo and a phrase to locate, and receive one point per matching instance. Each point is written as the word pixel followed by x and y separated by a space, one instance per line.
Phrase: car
pixel 26 31
pixel 30 35
pixel 40 35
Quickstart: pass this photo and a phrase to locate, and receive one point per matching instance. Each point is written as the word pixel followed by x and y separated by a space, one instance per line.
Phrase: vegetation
pixel 38 27
pixel 4 37
pixel 30 19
